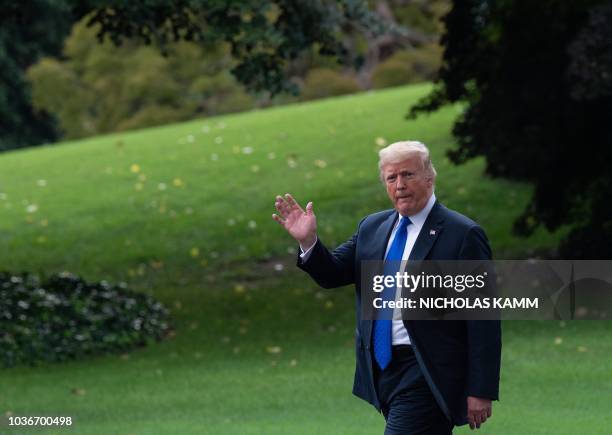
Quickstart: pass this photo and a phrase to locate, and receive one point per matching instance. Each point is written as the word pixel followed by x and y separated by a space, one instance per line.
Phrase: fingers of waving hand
pixel 300 223
pixel 290 210
pixel 294 206
pixel 287 206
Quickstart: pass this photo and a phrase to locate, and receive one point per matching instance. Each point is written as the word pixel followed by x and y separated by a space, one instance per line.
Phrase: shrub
pixel 65 317
pixel 409 66
pixel 97 87
pixel 220 94
pixel 324 82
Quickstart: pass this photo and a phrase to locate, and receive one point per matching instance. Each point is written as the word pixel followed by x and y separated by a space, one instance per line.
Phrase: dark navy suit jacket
pixel 458 358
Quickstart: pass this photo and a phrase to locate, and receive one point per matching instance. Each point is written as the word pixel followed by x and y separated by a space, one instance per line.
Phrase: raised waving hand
pixel 300 224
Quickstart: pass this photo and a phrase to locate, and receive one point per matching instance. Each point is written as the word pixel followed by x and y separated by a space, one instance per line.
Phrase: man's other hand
pixel 478 410
pixel 300 224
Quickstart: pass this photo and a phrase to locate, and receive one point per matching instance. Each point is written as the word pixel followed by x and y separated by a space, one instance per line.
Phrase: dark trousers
pixel 407 402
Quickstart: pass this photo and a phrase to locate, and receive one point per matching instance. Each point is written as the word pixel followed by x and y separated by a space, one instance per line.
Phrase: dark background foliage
pixel 534 79
pixel 28 30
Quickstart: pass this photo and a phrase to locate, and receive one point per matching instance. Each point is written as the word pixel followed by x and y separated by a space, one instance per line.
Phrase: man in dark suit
pixel 424 376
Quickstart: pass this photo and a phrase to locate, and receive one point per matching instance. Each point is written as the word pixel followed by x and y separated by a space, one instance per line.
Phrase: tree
pixel 98 88
pixel 534 79
pixel 264 36
pixel 28 30
pixel 412 26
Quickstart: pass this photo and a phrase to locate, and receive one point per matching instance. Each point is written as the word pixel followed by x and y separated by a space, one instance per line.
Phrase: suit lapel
pixel 383 233
pixel 429 233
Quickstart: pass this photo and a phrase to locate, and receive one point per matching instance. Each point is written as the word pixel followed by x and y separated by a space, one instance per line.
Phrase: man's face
pixel 408 185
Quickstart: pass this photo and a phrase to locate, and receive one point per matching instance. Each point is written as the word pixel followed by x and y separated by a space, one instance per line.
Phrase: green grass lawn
pixel 183 212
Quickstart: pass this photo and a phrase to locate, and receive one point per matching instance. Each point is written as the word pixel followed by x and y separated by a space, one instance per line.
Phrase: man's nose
pixel 400 183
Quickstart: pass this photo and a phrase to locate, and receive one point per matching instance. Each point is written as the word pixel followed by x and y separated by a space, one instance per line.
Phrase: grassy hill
pixel 184 212
pixel 113 206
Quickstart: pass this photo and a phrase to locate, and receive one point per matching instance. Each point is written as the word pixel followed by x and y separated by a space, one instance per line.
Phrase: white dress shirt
pixel 399 332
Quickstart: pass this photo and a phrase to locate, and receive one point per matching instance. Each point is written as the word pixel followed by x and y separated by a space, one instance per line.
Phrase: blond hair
pixel 400 151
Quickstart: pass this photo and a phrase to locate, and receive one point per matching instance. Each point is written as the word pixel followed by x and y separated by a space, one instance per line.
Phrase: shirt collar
pixel 418 219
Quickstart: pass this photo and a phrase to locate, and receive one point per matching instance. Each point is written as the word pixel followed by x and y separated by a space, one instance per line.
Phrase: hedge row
pixel 65 317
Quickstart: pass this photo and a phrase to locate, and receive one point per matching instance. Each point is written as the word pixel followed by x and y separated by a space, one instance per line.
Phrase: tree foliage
pixel 98 87
pixel 535 81
pixel 263 36
pixel 28 30
pixel 267 39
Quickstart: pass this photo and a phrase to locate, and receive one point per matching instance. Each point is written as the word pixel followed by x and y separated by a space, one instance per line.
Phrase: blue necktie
pixel 382 326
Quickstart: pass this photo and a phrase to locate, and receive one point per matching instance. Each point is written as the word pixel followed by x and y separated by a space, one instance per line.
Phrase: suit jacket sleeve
pixel 331 269
pixel 483 336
